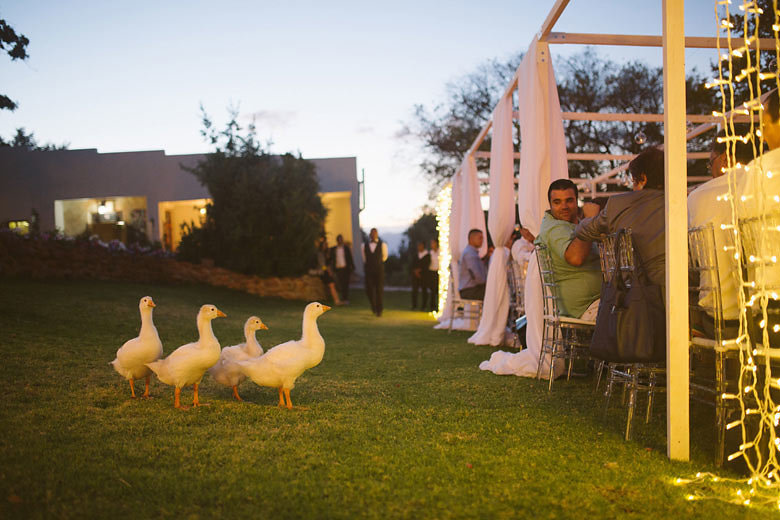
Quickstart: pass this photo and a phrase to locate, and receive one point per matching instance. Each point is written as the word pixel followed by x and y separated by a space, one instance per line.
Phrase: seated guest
pixel 579 284
pixel 706 204
pixel 473 269
pixel 642 210
pixel 758 192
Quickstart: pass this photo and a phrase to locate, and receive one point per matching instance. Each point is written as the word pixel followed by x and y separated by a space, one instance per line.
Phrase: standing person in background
pixel 344 266
pixel 325 270
pixel 433 275
pixel 420 263
pixel 374 255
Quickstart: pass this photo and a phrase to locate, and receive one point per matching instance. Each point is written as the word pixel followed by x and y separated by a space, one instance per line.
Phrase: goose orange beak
pixel 151 304
pixel 263 327
pixel 325 308
pixel 221 314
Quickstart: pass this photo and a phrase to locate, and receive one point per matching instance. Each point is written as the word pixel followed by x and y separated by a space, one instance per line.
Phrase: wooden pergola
pixel 673 42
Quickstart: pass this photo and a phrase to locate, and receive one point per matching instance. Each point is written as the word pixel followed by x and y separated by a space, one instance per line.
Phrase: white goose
pixel 226 371
pixel 132 357
pixel 187 364
pixel 283 364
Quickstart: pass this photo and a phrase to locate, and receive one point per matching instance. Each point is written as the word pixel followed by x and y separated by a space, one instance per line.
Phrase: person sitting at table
pixel 706 204
pixel 641 210
pixel 473 269
pixel 579 284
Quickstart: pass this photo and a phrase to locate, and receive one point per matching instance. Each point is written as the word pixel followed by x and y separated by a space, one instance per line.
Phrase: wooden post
pixel 677 423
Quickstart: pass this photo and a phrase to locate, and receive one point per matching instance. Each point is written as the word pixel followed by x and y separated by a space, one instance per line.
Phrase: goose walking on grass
pixel 187 364
pixel 132 357
pixel 283 364
pixel 226 371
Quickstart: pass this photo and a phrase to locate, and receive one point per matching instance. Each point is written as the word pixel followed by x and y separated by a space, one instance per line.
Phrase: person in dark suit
pixel 420 263
pixel 341 256
pixel 433 276
pixel 374 255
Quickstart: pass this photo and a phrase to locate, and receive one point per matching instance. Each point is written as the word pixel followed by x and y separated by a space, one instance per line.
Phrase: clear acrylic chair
pixel 515 274
pixel 562 337
pixel 634 377
pixel 710 357
pixel 462 308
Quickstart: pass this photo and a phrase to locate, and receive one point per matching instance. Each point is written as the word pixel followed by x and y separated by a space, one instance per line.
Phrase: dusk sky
pixel 326 79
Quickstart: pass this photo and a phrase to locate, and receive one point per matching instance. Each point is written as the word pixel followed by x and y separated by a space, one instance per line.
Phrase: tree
pixel 422 230
pixel 15 45
pixel 27 141
pixel 586 83
pixel 265 215
pixel 447 130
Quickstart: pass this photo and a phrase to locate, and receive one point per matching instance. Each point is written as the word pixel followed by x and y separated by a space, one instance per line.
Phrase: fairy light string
pixel 759 413
pixel 443 209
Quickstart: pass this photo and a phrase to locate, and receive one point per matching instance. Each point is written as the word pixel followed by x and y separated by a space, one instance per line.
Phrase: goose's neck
pixel 147 324
pixel 252 346
pixel 310 330
pixel 205 330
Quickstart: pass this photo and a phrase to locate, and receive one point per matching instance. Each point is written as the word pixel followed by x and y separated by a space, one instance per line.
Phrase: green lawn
pixel 397 421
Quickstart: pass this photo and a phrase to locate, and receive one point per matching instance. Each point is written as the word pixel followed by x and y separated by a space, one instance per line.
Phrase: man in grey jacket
pixel 642 210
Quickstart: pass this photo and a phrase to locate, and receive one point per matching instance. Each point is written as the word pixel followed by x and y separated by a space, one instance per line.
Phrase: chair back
pixel 704 287
pixel 611 257
pixel 761 251
pixel 515 275
pixel 549 287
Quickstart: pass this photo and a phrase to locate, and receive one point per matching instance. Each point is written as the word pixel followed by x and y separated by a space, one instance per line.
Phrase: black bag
pixel 631 322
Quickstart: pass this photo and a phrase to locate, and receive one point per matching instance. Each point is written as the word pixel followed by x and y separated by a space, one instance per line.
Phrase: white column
pixel 677 434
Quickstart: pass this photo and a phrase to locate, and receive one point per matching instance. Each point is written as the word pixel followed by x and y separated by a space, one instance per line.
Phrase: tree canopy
pixel 15 45
pixel 265 215
pixel 587 82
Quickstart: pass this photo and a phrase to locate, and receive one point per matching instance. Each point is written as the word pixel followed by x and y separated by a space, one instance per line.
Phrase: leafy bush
pixel 265 214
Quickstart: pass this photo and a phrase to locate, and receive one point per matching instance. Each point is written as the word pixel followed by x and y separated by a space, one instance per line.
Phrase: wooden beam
pixel 595 156
pixel 653 118
pixel 676 210
pixel 552 18
pixel 641 40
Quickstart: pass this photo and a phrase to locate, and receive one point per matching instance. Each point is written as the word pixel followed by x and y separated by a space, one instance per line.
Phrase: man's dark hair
pixel 651 164
pixel 472 231
pixel 743 152
pixel 561 184
pixel 772 106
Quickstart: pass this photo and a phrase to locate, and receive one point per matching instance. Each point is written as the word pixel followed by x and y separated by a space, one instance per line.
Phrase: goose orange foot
pixel 281 397
pixel 195 401
pixel 132 387
pixel 235 393
pixel 289 401
pixel 177 400
pixel 146 390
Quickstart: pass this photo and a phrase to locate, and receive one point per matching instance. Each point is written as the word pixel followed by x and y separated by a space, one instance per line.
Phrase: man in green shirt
pixel 579 287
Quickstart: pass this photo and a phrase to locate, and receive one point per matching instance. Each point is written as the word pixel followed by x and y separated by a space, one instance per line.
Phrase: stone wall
pixel 52 257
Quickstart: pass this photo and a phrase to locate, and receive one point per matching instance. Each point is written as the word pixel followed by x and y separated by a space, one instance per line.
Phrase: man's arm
pixel 384 252
pixel 577 252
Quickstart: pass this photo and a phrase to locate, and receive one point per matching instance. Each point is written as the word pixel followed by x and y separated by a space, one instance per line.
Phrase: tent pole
pixel 677 400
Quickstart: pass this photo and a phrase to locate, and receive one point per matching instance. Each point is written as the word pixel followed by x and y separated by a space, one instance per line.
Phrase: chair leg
pixel 608 392
pixel 631 402
pixel 599 371
pixel 650 393
pixel 720 407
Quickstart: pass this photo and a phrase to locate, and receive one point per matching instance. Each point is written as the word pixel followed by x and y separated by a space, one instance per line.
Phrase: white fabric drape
pixel 465 214
pixel 543 160
pixel 501 221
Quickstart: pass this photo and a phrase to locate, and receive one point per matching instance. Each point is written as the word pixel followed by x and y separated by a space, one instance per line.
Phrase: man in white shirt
pixel 758 193
pixel 374 256
pixel 433 275
pixel 707 204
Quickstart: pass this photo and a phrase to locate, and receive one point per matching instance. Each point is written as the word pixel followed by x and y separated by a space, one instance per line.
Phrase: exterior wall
pixel 35 180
